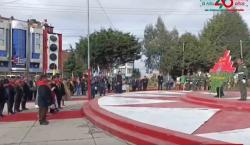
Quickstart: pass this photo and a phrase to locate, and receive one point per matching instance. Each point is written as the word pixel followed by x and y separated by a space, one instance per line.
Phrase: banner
pixel 19 48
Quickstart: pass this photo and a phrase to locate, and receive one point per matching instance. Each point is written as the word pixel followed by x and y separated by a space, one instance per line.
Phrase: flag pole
pixel 89 68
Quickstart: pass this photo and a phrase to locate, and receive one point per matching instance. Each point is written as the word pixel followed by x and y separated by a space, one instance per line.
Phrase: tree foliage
pixel 109 48
pixel 158 42
pixel 164 48
pixel 136 74
pixel 72 65
pixel 223 31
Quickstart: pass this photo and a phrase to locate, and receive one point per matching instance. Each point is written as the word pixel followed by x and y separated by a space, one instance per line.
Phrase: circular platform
pixel 161 117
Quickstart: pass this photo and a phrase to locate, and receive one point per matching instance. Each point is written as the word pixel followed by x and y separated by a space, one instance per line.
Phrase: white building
pixel 126 70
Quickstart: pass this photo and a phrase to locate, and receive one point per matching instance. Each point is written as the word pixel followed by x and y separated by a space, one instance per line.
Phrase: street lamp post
pixel 183 57
pixel 241 50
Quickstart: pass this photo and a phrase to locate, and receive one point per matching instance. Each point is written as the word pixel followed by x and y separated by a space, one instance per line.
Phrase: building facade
pixel 126 69
pixel 29 46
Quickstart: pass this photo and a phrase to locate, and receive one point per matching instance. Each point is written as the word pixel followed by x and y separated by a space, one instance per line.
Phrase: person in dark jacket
pixel 44 99
pixel 18 94
pixel 160 82
pixel 83 86
pixel 60 92
pixel 133 83
pixel 54 96
pixel 119 82
pixel 102 86
pixel 26 93
pixel 9 86
pixel 93 87
pixel 108 85
pixel 2 97
pixel 145 83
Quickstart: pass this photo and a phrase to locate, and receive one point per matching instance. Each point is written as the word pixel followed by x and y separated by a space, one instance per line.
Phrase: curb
pixel 217 103
pixel 139 133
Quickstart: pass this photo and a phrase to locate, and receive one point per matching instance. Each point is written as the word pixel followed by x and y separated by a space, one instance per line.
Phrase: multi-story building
pixel 29 46
pixel 5 24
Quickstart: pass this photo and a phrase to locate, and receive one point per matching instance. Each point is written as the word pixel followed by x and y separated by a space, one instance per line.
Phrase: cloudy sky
pixel 69 17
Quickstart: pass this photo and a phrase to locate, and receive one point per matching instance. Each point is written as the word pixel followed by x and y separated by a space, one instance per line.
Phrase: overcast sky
pixel 69 17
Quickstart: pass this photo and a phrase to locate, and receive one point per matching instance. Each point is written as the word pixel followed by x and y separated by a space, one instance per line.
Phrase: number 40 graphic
pixel 224 3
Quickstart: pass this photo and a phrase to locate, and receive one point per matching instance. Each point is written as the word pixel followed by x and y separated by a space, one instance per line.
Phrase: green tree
pixel 158 42
pixel 223 31
pixel 109 48
pixel 72 65
pixel 136 74
pixel 191 52
pixel 172 58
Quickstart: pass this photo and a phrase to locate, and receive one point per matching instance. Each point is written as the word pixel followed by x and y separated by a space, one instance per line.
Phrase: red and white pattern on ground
pixel 198 120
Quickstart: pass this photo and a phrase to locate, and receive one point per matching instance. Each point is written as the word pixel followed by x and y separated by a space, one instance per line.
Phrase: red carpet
pixel 32 116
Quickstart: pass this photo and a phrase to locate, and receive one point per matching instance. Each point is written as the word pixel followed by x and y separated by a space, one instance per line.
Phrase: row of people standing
pixel 14 92
pixel 139 84
pixel 101 85
pixel 196 81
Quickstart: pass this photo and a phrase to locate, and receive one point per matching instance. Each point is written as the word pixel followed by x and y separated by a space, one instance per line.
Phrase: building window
pixel 36 42
pixel 19 44
pixel 7 39
pixel 130 71
pixel 129 64
pixel 2 39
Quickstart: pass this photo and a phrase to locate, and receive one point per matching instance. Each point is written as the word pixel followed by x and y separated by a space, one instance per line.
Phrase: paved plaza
pixel 190 117
pixel 58 132
pixel 65 128
pixel 137 117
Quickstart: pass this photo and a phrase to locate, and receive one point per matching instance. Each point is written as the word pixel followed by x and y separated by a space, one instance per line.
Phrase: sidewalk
pixel 67 127
pixel 58 132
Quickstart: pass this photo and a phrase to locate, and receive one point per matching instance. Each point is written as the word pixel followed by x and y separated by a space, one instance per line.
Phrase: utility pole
pixel 241 50
pixel 183 57
pixel 89 68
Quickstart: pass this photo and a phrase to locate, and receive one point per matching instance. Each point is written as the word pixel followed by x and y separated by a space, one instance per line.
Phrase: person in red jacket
pixel 44 99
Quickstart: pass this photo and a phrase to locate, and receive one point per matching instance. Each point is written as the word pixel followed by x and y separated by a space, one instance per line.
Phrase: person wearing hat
pixel 242 73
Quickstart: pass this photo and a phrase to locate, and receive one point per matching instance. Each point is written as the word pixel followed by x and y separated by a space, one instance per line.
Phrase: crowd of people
pixel 197 81
pixel 50 93
pixel 16 91
pixel 139 84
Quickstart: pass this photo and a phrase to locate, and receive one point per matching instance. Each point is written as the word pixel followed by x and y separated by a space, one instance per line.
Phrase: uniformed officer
pixel 145 83
pixel 189 81
pixel 194 82
pixel 242 79
pixel 200 80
